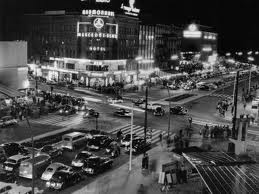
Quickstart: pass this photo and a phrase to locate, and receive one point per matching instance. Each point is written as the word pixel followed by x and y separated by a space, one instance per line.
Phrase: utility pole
pixel 249 85
pixel 235 106
pixel 169 116
pixel 131 136
pixel 33 154
pixel 145 124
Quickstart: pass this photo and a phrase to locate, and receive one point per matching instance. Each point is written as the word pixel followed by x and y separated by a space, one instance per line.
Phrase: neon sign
pixel 97 48
pixel 98 13
pixel 98 23
pixel 192 32
pixel 130 10
pixel 97 35
pixel 102 1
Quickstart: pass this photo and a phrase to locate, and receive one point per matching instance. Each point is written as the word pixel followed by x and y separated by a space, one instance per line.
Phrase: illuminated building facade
pixel 199 40
pixel 157 43
pixel 94 46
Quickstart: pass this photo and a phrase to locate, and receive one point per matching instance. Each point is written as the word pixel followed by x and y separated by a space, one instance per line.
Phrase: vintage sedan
pixel 96 164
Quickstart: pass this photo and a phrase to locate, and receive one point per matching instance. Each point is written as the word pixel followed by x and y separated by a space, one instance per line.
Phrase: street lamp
pixel 138 59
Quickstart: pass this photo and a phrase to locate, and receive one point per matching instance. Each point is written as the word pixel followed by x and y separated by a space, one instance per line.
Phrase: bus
pixel 72 140
pixel 40 164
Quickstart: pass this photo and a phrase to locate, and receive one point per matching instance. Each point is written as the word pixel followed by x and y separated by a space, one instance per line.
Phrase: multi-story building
pixel 157 43
pixel 95 46
pixel 201 40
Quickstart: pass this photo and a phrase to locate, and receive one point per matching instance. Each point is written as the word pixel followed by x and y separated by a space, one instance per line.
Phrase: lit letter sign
pixel 130 10
pixel 192 32
pixel 102 1
pixel 98 23
pixel 98 13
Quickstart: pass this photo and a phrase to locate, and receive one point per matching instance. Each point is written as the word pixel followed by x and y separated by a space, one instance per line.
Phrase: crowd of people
pixel 223 106
pixel 216 131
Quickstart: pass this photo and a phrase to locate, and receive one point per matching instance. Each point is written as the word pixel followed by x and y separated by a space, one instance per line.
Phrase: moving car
pixel 126 139
pixel 90 134
pixel 62 179
pixel 7 121
pixel 115 100
pixel 51 82
pixel 7 177
pixel 91 113
pixel 139 101
pixel 204 87
pixel 51 151
pixel 98 142
pixel 80 158
pixel 96 164
pixel 122 113
pixel 178 110
pixel 67 110
pixel 52 169
pixel 12 164
pixel 139 146
pixel 159 111
pixel 150 106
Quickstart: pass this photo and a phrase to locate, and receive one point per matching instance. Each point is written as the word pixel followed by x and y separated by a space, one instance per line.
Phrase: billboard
pixel 13 54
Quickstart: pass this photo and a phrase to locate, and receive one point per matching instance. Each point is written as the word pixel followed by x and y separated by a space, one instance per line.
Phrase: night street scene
pixel 129 97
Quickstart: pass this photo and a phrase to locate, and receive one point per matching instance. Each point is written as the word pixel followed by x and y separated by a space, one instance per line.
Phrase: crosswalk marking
pixel 58 120
pixel 139 131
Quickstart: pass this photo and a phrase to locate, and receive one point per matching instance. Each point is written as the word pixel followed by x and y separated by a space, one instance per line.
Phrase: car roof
pixel 55 165
pixel 74 134
pixel 17 157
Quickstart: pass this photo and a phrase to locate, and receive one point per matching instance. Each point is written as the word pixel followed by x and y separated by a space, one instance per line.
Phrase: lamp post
pixel 131 136
pixel 33 154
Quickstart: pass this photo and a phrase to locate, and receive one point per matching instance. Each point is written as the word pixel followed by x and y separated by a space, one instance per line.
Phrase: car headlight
pixel 59 185
pixel 47 184
pixel 61 111
pixel 66 111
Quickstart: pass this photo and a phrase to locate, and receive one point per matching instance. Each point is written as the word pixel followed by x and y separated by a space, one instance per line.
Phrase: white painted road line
pixel 127 107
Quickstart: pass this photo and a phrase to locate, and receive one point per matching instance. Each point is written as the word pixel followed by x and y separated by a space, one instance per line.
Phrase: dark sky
pixel 236 21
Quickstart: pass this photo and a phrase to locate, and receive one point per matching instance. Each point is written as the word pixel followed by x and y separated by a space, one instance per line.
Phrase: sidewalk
pixel 121 181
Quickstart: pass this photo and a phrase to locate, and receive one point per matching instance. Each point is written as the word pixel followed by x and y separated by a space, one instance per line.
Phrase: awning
pixel 225 173
pixel 229 179
pixel 12 93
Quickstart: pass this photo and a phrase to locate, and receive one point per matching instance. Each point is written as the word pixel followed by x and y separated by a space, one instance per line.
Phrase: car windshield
pixel 49 169
pixel 47 148
pixel 82 155
pixel 11 161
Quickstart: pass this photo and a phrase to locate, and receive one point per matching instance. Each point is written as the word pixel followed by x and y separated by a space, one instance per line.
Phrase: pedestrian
pixel 160 137
pixel 244 105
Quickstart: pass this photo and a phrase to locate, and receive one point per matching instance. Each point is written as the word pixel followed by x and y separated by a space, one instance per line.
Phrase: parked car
pixel 90 113
pixel 139 101
pixel 12 164
pixel 90 134
pixel 52 151
pixel 159 111
pixel 115 100
pixel 80 158
pixel 7 177
pixel 28 151
pixel 139 146
pixel 67 110
pixel 122 113
pixel 52 82
pixel 178 110
pixel 113 149
pixel 173 87
pixel 40 163
pixel 96 164
pixel 7 121
pixel 98 142
pixel 52 169
pixel 126 139
pixel 62 179
pixel 9 149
